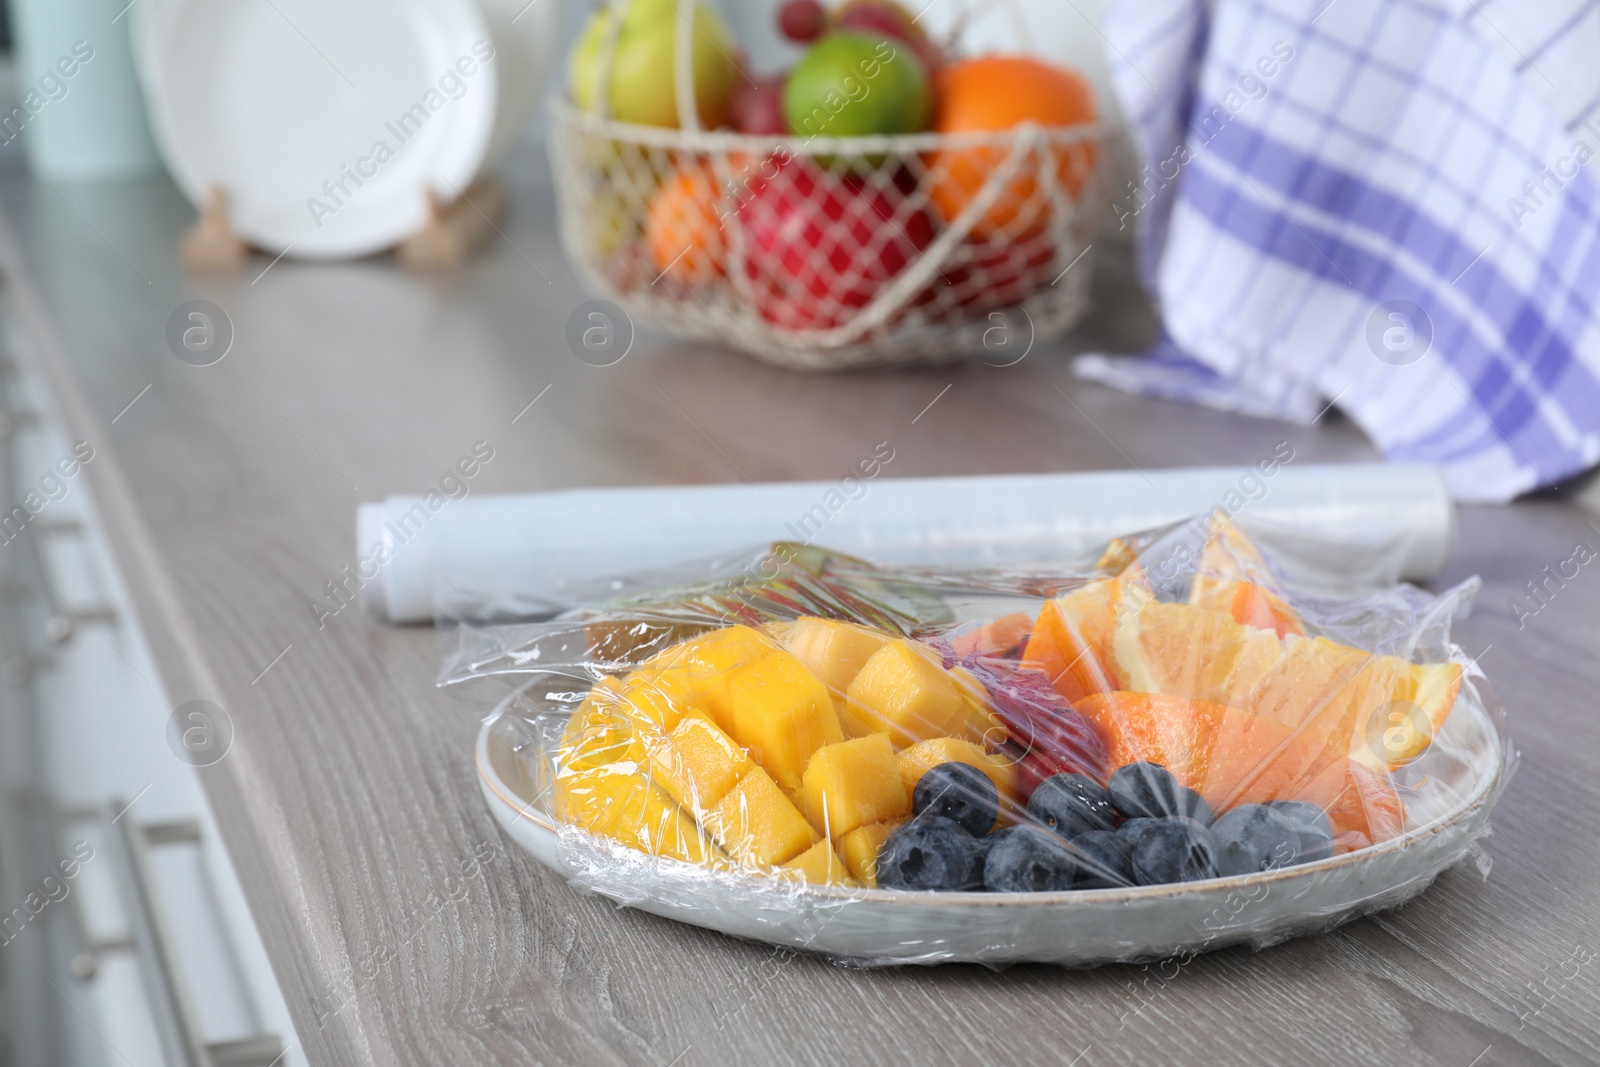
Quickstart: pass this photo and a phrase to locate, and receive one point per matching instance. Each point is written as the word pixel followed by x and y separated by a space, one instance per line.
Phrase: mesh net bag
pixel 826 252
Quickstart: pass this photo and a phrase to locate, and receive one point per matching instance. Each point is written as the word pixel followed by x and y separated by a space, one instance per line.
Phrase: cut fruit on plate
pixel 1326 693
pixel 1234 757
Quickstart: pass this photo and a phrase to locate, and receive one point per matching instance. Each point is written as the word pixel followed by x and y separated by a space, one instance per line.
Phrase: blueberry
pixel 981 848
pixel 1313 827
pixel 928 853
pixel 1146 790
pixel 1071 804
pixel 958 792
pixel 1175 849
pixel 1253 838
pixel 1028 859
pixel 1133 829
pixel 1103 860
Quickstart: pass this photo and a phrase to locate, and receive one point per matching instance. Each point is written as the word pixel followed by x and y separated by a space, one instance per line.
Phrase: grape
pixel 802 21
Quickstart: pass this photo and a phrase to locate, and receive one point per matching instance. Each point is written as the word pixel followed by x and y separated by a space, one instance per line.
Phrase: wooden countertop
pixel 349 800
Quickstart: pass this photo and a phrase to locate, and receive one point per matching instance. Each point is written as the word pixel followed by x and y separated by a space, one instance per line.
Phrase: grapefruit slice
pixel 1234 757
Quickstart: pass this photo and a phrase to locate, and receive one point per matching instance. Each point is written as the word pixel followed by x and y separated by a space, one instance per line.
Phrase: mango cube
pixel 833 651
pixel 983 726
pixel 852 783
pixel 782 714
pixel 599 733
pixel 697 764
pixel 645 818
pixel 588 797
pixel 903 690
pixel 819 865
pixel 696 672
pixel 859 849
pixel 757 825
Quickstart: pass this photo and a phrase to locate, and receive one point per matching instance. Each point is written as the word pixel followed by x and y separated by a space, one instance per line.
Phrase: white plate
pixel 1080 928
pixel 277 101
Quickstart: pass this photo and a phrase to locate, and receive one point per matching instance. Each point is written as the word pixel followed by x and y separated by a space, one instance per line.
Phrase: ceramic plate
pixel 324 124
pixel 1081 928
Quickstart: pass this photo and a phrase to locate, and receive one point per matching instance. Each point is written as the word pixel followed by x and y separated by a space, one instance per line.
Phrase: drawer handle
pixel 84 959
pixel 174 1012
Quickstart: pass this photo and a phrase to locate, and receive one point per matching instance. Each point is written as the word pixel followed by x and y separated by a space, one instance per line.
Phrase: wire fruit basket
pixel 826 253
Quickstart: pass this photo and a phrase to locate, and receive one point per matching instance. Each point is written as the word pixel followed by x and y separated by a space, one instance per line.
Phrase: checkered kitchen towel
pixel 1388 205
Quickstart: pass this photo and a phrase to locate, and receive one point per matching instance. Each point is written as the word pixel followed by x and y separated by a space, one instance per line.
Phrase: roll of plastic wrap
pixel 523 554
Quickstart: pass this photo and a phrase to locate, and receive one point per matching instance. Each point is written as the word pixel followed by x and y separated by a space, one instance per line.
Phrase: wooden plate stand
pixel 455 231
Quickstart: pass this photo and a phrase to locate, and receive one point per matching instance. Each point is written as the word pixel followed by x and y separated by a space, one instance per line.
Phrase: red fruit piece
pixel 757 106
pixel 988 275
pixel 802 21
pixel 820 246
pixel 890 20
pixel 1047 736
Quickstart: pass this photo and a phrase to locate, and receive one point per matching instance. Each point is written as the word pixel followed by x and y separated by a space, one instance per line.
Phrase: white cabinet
pixel 124 937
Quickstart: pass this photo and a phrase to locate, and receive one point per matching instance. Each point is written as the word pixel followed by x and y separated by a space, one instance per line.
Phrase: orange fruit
pixel 683 229
pixel 997 637
pixel 1071 639
pixel 1234 757
pixel 1232 575
pixel 1248 603
pixel 1068 642
pixel 1188 651
pixel 999 93
pixel 1381 711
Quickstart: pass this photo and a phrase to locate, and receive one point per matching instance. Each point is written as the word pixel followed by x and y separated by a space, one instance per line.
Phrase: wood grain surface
pixel 349 800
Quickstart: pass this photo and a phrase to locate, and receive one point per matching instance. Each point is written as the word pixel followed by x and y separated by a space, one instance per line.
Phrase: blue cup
pixel 81 115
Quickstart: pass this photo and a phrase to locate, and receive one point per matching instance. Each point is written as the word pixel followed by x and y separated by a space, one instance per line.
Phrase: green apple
pixel 857 84
pixel 643 85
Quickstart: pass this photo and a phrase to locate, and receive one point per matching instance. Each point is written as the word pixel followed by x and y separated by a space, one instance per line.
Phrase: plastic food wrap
pixel 1194 736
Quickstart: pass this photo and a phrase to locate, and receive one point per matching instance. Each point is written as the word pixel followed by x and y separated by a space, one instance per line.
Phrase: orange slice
pixel 1068 642
pixel 1232 576
pixel 998 637
pixel 1187 651
pixel 1249 604
pixel 1117 557
pixel 1381 711
pixel 1234 757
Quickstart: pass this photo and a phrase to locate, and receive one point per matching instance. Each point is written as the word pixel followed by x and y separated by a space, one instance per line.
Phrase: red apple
pixel 990 275
pixel 757 106
pixel 891 20
pixel 820 246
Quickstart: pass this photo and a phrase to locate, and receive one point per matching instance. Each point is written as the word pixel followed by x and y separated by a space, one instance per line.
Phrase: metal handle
pixel 174 1012
pixel 84 960
pixel 64 616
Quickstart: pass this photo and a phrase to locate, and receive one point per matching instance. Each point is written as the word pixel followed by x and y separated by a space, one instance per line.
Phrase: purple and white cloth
pixel 1388 205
